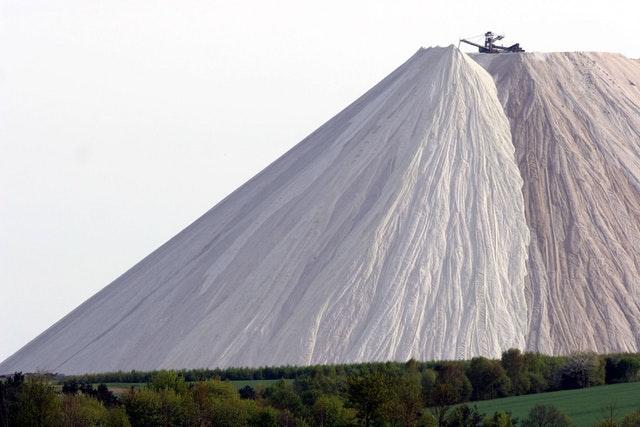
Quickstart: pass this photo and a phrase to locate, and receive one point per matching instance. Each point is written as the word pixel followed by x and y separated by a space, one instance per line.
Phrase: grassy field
pixel 584 406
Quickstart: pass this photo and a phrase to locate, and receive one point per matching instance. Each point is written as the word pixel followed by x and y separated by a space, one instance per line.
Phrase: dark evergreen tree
pixel 488 379
pixel 8 398
pixel 515 364
pixel 70 387
pixel 106 396
pixel 247 392
pixel 622 368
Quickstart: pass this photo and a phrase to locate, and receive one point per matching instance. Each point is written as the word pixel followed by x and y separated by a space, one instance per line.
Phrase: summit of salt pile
pixel 395 230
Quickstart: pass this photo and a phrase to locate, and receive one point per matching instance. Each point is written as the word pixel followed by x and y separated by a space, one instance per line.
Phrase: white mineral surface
pixel 451 211
pixel 575 123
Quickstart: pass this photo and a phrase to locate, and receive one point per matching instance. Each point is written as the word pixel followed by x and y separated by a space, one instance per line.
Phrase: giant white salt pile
pixel 451 211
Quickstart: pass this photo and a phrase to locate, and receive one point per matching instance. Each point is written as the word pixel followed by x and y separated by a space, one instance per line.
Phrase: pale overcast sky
pixel 122 121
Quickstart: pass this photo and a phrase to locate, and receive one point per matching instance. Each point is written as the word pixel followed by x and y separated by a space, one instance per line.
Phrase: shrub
pixel 631 420
pixel 582 370
pixel 220 389
pixel 265 417
pixel 622 368
pixel 247 392
pixel 117 417
pixel 168 380
pixel 464 416
pixel 546 416
pixel 330 411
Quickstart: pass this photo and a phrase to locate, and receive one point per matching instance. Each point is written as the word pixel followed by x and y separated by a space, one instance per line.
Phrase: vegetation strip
pixel 448 393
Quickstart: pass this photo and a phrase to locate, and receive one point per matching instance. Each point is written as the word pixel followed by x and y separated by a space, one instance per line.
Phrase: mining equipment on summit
pixel 490 45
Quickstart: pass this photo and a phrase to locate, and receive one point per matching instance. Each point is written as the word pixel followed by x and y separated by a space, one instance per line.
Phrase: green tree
pixel 207 394
pixel 543 371
pixel 37 403
pixel 168 380
pixel 171 410
pixel 232 412
pixel 220 389
pixel 329 410
pixel 515 365
pixel 546 416
pixel 453 373
pixel 282 395
pixel 451 387
pixel 405 407
pixel 143 407
pixel 464 416
pixel 582 370
pixel 83 411
pixel 443 398
pixel 428 382
pixel 488 379
pixel 163 407
pixel 369 395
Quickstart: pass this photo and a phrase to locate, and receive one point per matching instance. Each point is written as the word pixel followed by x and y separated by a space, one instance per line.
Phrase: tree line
pixel 515 373
pixel 370 394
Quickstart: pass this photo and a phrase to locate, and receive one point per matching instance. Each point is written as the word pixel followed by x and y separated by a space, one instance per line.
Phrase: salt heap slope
pixel 395 230
pixel 575 122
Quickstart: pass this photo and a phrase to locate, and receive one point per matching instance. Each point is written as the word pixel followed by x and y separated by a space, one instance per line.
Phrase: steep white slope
pixel 395 230
pixel 575 122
